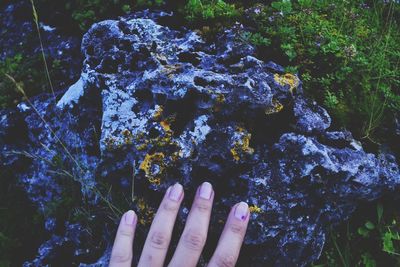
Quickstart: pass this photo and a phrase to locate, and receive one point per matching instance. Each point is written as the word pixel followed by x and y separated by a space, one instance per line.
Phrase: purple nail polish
pixel 175 192
pixel 205 190
pixel 130 217
pixel 242 211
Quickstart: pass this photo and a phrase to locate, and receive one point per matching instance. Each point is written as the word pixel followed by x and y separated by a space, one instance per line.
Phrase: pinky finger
pixel 228 248
pixel 121 255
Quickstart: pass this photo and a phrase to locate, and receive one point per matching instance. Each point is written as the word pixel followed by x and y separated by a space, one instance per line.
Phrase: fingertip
pixel 130 217
pixel 175 192
pixel 241 211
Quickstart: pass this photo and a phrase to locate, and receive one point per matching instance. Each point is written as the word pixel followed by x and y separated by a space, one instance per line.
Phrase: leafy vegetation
pixel 196 10
pixel 371 238
pixel 346 52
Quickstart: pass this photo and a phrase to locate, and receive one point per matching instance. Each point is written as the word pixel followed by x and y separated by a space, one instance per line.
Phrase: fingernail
pixel 130 217
pixel 176 192
pixel 205 190
pixel 241 211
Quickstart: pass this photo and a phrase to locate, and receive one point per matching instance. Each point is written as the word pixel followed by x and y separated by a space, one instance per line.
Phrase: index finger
pixel 121 255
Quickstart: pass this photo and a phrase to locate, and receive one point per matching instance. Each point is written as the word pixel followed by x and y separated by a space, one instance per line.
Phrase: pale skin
pixel 193 238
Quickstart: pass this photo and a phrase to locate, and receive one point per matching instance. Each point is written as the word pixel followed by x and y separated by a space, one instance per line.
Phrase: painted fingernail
pixel 130 217
pixel 242 211
pixel 176 192
pixel 206 190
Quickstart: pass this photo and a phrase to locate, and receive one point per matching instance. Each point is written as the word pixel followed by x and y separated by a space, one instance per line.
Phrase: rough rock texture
pixel 157 106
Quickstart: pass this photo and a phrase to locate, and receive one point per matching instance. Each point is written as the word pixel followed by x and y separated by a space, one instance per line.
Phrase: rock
pixel 155 106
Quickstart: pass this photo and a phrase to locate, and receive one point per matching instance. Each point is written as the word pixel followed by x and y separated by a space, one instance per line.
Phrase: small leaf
pixel 363 232
pixel 388 243
pixel 369 225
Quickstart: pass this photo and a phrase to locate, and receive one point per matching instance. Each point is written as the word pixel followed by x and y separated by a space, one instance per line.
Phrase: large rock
pixel 155 106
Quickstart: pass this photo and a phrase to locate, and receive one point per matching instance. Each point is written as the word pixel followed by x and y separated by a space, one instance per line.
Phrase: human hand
pixel 194 235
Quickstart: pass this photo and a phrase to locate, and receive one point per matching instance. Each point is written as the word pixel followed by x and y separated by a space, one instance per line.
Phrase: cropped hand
pixel 194 235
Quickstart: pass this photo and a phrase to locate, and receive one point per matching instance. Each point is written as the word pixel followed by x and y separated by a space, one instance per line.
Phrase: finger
pixel 157 241
pixel 121 254
pixel 194 235
pixel 231 240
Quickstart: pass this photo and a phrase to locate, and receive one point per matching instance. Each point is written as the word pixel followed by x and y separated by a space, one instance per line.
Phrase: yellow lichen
pixel 220 98
pixel 166 126
pixel 141 147
pixel 275 108
pixel 148 162
pixel 157 114
pixel 255 209
pixel 287 79
pixel 241 146
pixel 145 212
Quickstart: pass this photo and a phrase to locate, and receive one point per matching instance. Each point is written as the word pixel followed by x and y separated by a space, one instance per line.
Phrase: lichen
pixel 145 212
pixel 158 112
pixel 255 209
pixel 241 145
pixel 127 136
pixel 153 166
pixel 275 108
pixel 287 79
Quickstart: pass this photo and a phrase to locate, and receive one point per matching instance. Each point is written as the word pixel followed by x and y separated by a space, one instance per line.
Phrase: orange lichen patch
pixel 255 209
pixel 145 212
pixel 287 79
pixel 242 146
pixel 157 114
pixel 166 126
pixel 275 108
pixel 153 166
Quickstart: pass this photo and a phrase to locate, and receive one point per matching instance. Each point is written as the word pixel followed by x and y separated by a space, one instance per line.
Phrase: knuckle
pixel 121 257
pixel 169 206
pixel 194 240
pixel 125 232
pixel 159 240
pixel 226 260
pixel 202 207
pixel 237 229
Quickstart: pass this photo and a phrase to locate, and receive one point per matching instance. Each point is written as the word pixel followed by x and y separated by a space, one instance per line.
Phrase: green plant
pixel 348 51
pixel 210 10
pixel 370 238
